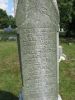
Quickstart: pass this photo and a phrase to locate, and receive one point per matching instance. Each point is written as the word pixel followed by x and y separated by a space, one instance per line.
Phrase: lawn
pixel 9 71
pixel 10 79
pixel 67 73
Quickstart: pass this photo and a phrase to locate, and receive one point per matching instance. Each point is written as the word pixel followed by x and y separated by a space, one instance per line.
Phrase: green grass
pixel 10 82
pixel 67 73
pixel 9 70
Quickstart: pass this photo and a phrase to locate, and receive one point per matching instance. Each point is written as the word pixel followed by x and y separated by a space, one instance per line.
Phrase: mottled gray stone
pixel 60 51
pixel 15 5
pixel 38 26
pixel 22 95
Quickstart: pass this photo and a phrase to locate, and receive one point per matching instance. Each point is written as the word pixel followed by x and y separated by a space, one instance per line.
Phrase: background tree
pixel 6 20
pixel 12 21
pixel 73 17
pixel 67 16
pixel 3 19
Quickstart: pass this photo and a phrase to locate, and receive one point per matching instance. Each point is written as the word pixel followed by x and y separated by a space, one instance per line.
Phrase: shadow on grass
pixel 7 96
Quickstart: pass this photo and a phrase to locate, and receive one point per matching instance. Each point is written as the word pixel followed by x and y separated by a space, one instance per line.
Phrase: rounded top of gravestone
pixel 37 14
pixel 15 5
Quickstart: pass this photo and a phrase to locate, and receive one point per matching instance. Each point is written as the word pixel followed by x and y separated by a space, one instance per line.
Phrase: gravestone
pixel 60 51
pixel 62 56
pixel 37 27
pixel 15 6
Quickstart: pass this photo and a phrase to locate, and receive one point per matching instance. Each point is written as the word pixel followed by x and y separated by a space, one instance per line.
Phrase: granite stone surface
pixel 38 25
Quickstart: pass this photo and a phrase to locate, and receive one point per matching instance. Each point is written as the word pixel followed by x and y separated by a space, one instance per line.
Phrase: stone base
pixel 21 96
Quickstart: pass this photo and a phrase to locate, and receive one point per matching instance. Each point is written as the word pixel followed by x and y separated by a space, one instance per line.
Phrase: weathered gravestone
pixel 62 56
pixel 38 25
pixel 15 6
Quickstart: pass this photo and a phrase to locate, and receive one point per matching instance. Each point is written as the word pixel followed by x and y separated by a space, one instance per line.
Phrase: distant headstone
pixel 62 56
pixel 12 38
pixel 70 43
pixel 9 29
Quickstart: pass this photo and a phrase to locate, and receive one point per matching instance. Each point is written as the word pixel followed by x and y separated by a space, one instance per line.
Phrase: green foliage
pixel 4 23
pixel 3 19
pixel 6 35
pixel 6 20
pixel 13 33
pixel 12 21
pixel 67 16
pixel 3 14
